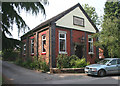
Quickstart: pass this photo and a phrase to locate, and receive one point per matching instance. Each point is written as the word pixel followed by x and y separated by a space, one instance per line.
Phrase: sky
pixel 55 7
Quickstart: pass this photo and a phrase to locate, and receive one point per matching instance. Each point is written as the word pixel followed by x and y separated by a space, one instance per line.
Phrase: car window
pixel 113 62
pixel 103 62
pixel 118 61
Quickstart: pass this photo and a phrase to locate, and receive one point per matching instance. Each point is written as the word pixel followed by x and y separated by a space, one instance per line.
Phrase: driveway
pixel 19 75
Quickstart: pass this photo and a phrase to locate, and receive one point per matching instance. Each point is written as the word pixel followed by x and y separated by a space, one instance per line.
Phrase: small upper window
pixel 90 41
pixel 78 21
pixel 43 43
pixel 32 46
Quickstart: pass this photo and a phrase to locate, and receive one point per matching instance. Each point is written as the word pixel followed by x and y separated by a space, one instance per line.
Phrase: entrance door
pixel 79 51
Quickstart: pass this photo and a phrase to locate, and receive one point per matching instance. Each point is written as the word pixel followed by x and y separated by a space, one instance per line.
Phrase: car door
pixel 112 68
pixel 118 64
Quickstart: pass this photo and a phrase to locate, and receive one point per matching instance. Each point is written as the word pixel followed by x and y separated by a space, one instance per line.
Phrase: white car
pixel 104 67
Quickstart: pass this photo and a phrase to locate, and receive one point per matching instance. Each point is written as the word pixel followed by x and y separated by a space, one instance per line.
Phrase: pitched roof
pixel 55 18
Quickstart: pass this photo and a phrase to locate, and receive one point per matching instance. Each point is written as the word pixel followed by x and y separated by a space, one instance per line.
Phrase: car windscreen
pixel 103 62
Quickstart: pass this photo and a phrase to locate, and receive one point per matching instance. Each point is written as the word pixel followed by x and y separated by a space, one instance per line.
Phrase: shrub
pixel 44 66
pixel 72 60
pixel 10 55
pixel 19 61
pixel 80 63
pixel 63 61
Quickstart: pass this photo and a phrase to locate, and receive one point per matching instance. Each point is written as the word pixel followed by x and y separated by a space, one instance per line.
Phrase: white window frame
pixel 24 49
pixel 32 43
pixel 42 42
pixel 62 32
pixel 89 36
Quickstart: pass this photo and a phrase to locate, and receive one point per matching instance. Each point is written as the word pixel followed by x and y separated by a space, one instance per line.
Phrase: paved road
pixel 19 75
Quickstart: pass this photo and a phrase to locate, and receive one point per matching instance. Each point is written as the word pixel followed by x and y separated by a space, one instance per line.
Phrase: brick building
pixel 67 33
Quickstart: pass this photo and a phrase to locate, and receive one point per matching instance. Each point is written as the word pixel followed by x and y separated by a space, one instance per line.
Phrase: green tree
pixel 109 37
pixel 91 13
pixel 112 9
pixel 11 14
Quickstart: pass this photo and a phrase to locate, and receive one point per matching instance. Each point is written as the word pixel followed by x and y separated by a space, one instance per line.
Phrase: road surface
pixel 19 75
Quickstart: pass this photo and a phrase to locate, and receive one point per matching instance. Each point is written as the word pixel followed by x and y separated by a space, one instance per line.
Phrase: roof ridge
pixel 59 15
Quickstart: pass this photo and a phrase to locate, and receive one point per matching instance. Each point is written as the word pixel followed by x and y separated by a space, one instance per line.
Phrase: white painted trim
pixel 62 32
pixel 89 36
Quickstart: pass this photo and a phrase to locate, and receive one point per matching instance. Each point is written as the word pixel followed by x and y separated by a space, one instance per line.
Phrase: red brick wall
pixel 46 56
pixel 77 35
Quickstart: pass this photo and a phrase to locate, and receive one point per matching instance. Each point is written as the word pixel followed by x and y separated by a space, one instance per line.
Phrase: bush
pixel 33 64
pixel 64 61
pixel 19 61
pixel 72 60
pixel 10 55
pixel 81 63
pixel 44 66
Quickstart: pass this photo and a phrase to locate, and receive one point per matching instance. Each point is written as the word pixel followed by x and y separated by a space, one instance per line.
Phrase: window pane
pixel 44 43
pixel 32 46
pixel 113 62
pixel 90 39
pixel 44 36
pixel 78 21
pixel 119 61
pixel 62 45
pixel 24 48
pixel 62 35
pixel 90 47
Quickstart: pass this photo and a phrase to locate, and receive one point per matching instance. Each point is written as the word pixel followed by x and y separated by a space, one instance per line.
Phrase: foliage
pixel 112 9
pixel 80 63
pixel 10 55
pixel 34 63
pixel 91 13
pixel 44 66
pixel 11 14
pixel 73 58
pixel 9 43
pixel 64 61
pixel 109 37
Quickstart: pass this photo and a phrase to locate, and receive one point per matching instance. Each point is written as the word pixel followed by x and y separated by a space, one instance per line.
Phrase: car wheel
pixel 101 73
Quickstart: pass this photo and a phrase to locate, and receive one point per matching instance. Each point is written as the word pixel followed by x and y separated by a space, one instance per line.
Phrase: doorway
pixel 79 51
